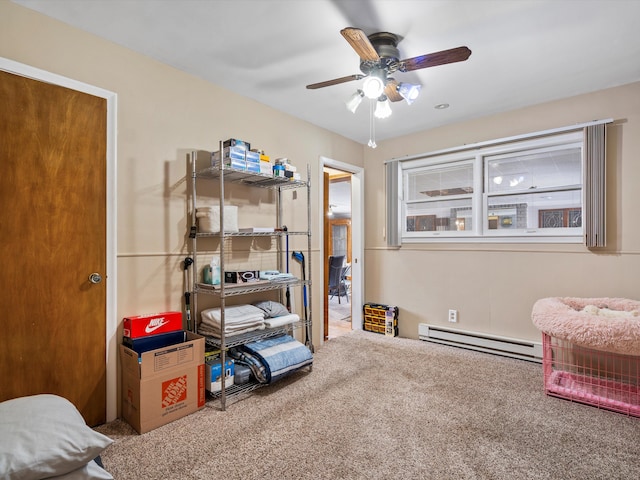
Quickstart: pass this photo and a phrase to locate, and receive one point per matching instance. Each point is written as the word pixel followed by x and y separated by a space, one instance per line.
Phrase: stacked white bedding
pixel 245 318
pixel 237 318
pixel 276 314
pixel 272 322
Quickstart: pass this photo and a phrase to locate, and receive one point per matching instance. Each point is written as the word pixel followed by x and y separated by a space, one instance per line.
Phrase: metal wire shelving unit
pixel 227 175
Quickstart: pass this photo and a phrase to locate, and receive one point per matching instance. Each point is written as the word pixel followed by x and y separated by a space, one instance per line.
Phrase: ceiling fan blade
pixel 335 81
pixel 452 55
pixel 360 43
pixel 391 91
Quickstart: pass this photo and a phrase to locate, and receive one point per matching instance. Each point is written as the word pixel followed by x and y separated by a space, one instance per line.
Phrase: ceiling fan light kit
pixel 380 57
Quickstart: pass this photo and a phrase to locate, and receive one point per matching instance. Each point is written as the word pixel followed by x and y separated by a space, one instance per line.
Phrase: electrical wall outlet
pixel 453 316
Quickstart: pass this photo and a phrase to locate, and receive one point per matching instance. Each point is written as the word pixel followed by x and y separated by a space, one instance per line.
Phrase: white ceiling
pixel 524 52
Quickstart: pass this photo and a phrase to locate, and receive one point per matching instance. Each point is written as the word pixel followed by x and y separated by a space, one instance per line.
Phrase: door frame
pixel 111 98
pixel 357 237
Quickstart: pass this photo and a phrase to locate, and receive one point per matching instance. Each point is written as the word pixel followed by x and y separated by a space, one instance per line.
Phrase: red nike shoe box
pixel 151 324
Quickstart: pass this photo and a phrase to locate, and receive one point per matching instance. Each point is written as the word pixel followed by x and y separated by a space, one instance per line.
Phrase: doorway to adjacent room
pixel 342 249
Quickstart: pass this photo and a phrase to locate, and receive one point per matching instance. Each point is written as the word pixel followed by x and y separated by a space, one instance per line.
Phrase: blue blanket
pixel 279 355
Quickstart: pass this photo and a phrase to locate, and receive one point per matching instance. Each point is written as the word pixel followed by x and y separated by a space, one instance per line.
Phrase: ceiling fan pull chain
pixel 372 127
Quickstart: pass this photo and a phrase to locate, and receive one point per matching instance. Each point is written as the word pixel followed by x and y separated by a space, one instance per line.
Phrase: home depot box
pixel 151 324
pixel 164 384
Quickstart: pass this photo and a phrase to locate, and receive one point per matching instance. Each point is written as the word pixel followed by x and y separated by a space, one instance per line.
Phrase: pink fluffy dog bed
pixel 606 324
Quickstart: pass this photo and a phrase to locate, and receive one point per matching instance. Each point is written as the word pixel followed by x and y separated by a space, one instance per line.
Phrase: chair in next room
pixel 337 284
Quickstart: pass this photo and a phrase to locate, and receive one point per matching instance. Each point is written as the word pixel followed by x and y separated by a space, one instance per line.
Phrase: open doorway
pixel 338 250
pixel 342 228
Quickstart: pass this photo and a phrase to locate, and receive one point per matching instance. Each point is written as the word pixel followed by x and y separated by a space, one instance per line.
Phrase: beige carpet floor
pixel 376 407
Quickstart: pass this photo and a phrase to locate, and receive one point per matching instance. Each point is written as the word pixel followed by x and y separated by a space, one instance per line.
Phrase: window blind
pixel 393 203
pixel 594 216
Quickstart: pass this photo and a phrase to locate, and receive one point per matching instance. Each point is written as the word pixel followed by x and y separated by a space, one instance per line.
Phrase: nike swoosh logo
pixel 153 328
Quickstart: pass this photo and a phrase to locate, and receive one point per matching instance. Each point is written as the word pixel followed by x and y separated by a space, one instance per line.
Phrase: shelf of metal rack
pixel 278 233
pixel 249 178
pixel 236 390
pixel 231 290
pixel 243 338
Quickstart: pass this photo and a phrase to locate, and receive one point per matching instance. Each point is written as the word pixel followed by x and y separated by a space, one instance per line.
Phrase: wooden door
pixel 52 237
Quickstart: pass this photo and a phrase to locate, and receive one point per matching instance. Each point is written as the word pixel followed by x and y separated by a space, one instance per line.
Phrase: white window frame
pixel 447 160
pixel 480 197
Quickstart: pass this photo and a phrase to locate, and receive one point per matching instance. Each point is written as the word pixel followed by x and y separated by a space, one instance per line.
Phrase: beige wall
pixel 494 286
pixel 163 113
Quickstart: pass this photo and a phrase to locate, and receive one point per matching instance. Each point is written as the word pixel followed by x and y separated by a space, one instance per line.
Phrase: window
pixel 525 190
pixel 439 198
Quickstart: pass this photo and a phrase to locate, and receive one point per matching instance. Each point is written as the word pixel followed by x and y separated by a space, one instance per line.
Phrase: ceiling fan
pixel 380 58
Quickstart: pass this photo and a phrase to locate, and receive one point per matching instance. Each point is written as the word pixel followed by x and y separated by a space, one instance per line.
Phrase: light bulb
pixel 354 102
pixel 373 87
pixel 409 92
pixel 383 107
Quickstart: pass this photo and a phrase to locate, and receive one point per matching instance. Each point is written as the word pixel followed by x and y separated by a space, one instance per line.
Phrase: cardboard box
pixel 214 374
pixel 151 324
pixel 233 157
pixel 234 142
pixel 164 384
pixel 209 219
pixel 266 168
pixel 154 342
pixel 254 167
pixel 252 157
pixel 235 153
pixel 233 163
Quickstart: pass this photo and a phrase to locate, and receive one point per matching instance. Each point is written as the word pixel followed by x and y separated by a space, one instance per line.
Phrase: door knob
pixel 95 278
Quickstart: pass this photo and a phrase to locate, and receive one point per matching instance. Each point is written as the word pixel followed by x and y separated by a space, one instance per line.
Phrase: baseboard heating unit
pixel 508 347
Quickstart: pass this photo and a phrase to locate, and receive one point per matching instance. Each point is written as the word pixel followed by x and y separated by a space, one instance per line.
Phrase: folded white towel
pixel 211 331
pixel 272 322
pixel 235 314
pixel 249 322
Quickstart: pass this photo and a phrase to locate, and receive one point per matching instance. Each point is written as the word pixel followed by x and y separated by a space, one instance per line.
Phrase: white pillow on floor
pixel 45 436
